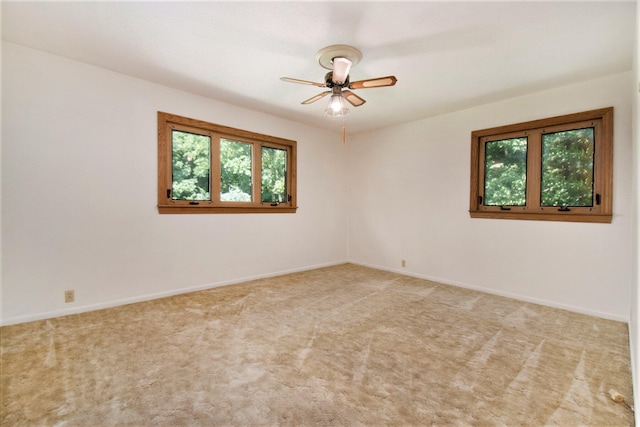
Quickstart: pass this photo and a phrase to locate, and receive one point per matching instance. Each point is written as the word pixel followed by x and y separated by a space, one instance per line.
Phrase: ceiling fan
pixel 339 59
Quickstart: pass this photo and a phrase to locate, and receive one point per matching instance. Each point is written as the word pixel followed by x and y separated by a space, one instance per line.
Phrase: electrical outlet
pixel 404 263
pixel 69 296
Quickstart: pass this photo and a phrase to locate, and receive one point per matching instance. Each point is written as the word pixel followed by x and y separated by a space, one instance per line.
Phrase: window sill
pixel 224 209
pixel 566 217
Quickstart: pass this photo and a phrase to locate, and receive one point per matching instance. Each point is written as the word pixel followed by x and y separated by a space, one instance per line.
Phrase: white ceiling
pixel 447 56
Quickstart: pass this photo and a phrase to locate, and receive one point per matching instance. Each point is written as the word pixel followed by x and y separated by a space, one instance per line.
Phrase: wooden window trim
pixel 166 205
pixel 603 170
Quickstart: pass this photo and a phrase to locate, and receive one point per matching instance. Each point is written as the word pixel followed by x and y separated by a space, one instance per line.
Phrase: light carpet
pixel 344 345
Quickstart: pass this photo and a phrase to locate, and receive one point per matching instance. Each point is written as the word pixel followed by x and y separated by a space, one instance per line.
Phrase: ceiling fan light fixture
pixel 339 59
pixel 336 107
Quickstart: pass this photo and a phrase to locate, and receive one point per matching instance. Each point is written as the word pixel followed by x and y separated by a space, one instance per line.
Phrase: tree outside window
pixel 557 169
pixel 208 168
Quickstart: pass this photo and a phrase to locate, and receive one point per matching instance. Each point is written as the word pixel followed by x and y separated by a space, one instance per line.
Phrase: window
pixel 208 168
pixel 556 169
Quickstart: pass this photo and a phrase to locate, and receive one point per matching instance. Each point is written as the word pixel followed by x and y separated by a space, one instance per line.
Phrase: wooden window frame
pixel 166 205
pixel 600 212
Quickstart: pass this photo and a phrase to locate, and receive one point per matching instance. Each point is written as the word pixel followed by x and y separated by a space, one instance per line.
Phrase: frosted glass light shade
pixel 336 107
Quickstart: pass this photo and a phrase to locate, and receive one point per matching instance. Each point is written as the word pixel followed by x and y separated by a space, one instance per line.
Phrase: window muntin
pixel 208 168
pixel 569 169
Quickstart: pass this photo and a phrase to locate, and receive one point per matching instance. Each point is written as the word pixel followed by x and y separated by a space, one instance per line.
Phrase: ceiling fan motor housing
pixel 328 79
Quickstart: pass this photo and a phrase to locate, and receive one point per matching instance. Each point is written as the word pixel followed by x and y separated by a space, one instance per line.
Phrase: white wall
pixel 634 324
pixel 1 121
pixel 409 199
pixel 79 195
pixel 79 177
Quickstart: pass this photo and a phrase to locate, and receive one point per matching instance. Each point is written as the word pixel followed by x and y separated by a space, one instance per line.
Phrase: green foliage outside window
pixel 235 173
pixel 567 168
pixel 274 172
pixel 191 166
pixel 506 172
pixel 552 169
pixel 207 168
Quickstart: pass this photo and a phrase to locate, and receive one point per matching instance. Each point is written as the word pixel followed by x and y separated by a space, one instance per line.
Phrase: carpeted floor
pixel 344 345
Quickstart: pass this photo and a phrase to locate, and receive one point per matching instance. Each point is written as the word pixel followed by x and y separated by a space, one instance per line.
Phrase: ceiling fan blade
pixel 341 68
pixel 315 98
pixel 377 82
pixel 353 99
pixel 304 82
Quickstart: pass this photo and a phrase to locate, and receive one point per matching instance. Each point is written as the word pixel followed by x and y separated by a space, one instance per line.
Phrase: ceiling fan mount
pixel 326 55
pixel 340 59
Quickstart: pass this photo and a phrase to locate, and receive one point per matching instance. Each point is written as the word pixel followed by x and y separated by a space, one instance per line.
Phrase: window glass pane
pixel 191 166
pixel 274 175
pixel 567 168
pixel 235 171
pixel 505 172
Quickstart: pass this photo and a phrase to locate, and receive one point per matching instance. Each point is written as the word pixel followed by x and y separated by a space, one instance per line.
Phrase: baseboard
pixel 149 297
pixel 518 297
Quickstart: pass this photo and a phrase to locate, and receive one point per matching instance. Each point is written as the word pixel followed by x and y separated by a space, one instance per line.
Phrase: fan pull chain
pixel 344 131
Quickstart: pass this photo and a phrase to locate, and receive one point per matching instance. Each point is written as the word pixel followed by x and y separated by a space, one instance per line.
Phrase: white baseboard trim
pixel 518 297
pixel 149 297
